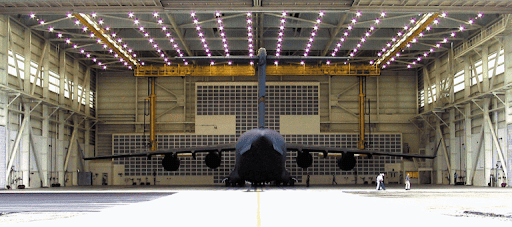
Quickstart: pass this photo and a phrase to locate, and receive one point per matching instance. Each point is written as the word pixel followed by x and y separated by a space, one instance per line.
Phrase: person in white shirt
pixel 380 182
pixel 407 183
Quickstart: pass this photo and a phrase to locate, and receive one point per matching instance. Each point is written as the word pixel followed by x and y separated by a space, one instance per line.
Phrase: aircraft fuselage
pixel 260 157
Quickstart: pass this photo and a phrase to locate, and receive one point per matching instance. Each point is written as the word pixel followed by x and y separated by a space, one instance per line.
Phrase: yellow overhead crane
pixel 249 70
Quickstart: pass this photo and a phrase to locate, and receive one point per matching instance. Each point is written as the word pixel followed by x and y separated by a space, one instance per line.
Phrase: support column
pixel 87 90
pixel 487 130
pixel 487 143
pixel 87 147
pixel 467 123
pixel 25 139
pixel 25 148
pixel 426 90
pixel 438 163
pixel 74 95
pixel 59 163
pixel 62 75
pixel 4 43
pixel 507 45
pixel 437 74
pixel 45 129
pixel 42 152
pixel 453 154
pixel 28 57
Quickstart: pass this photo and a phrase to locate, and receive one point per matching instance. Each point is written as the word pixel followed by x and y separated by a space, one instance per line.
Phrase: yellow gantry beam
pixel 248 70
pixel 106 38
pixel 414 31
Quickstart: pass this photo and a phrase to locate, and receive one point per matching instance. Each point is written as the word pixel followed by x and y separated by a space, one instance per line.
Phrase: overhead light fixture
pixel 313 33
pixel 365 36
pixel 345 34
pixel 222 33
pixel 279 37
pixel 200 33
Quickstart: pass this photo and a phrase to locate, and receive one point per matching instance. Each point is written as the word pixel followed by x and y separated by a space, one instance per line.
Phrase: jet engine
pixel 347 162
pixel 212 159
pixel 171 162
pixel 304 159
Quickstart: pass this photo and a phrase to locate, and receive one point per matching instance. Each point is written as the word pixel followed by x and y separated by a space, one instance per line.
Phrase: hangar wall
pixel 47 120
pixel 121 97
pixel 465 112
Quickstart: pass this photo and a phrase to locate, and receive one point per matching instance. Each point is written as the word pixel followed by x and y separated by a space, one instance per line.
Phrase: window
pixel 422 98
pixel 54 82
pixel 458 81
pixel 500 68
pixel 91 98
pixel 12 67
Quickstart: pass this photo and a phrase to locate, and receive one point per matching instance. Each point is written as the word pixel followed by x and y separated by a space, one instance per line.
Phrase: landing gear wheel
pixel 241 183
pixel 292 182
pixel 277 183
pixel 227 182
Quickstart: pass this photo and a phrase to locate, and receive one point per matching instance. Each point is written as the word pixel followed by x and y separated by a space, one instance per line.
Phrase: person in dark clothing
pixel 334 180
pixel 307 181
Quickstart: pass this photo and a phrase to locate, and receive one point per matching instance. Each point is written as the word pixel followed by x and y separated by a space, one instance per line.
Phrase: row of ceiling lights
pixel 314 32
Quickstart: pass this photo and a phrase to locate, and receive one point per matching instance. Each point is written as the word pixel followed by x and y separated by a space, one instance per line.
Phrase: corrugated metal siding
pixel 3 157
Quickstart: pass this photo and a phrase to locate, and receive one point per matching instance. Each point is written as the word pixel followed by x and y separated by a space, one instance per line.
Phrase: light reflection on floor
pixel 300 206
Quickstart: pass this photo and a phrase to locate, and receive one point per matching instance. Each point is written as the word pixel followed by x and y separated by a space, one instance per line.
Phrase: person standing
pixel 379 177
pixel 307 181
pixel 407 183
pixel 334 180
pixel 380 182
pixel 382 186
pixel 455 178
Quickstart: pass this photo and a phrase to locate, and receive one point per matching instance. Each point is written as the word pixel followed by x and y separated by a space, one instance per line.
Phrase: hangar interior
pixel 435 78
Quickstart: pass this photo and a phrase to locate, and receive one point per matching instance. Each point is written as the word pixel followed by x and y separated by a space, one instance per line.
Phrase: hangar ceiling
pixel 159 31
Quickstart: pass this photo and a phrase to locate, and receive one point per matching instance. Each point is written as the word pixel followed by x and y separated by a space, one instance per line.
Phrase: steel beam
pixel 16 146
pixel 445 150
pixel 248 70
pixel 70 148
pixel 179 33
pixel 473 168
pixel 34 152
pixel 39 66
pixel 346 110
pixel 498 146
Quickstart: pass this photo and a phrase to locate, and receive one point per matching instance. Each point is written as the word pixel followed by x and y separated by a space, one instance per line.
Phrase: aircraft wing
pixel 191 150
pixel 370 153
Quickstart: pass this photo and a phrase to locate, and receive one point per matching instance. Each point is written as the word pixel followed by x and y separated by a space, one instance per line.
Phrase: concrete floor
pixel 268 206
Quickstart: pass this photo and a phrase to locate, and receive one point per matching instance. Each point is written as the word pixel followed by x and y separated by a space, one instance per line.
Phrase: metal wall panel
pixel 240 99
pixel 3 157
